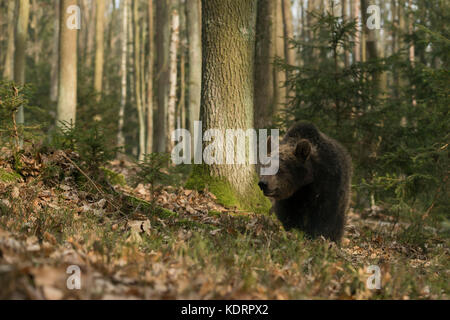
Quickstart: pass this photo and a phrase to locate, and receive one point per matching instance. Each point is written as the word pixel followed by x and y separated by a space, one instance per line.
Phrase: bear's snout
pixel 263 186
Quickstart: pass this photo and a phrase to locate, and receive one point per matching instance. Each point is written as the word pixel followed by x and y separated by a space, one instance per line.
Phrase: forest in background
pixel 137 70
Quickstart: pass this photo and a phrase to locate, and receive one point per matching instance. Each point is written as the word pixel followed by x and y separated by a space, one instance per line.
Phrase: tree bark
pixel 8 72
pixel 280 75
pixel 356 15
pixel 162 74
pixel 194 34
pixel 67 88
pixel 20 51
pixel 137 77
pixel 264 55
pixel 123 71
pixel 55 55
pixel 172 103
pixel 99 46
pixel 151 55
pixel 228 37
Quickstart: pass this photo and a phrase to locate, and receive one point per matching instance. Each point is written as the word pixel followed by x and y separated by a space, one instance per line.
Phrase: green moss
pixel 113 177
pixel 6 176
pixel 253 201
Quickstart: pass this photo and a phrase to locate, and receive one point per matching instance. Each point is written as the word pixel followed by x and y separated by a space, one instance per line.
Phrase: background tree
pixel 123 72
pixel 8 71
pixel 67 88
pixel 194 34
pixel 264 71
pixel 99 45
pixel 162 73
pixel 20 49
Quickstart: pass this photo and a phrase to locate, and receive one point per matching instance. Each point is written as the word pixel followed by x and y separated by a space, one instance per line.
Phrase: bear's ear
pixel 303 149
pixel 269 145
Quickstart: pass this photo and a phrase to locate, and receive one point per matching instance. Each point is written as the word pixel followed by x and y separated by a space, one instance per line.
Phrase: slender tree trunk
pixel 228 38
pixel 264 55
pixel 411 55
pixel 138 82
pixel 20 51
pixel 55 56
pixel 356 15
pixel 288 31
pixel 99 46
pixel 91 25
pixel 194 34
pixel 67 88
pixel 369 35
pixel 151 54
pixel 345 17
pixel 8 72
pixel 171 109
pixel 162 75
pixel 280 75
pixel 123 71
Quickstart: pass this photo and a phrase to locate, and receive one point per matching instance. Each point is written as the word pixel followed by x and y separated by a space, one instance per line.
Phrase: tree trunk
pixel 99 46
pixel 20 51
pixel 137 77
pixel 67 88
pixel 356 15
pixel 8 72
pixel 280 75
pixel 369 35
pixel 194 34
pixel 345 17
pixel 264 55
pixel 228 38
pixel 123 72
pixel 55 56
pixel 171 106
pixel 162 74
pixel 151 54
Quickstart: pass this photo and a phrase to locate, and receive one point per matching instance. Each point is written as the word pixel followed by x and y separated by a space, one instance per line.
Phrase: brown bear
pixel 312 186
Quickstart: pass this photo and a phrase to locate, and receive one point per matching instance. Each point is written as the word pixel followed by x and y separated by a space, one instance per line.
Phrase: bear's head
pixel 295 170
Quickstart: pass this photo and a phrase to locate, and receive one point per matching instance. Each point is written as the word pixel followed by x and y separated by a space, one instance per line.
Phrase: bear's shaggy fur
pixel 312 187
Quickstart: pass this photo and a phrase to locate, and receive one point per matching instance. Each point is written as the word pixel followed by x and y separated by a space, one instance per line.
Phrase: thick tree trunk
pixel 67 88
pixel 194 34
pixel 151 55
pixel 162 74
pixel 137 78
pixel 228 38
pixel 123 72
pixel 264 55
pixel 8 72
pixel 172 103
pixel 99 46
pixel 20 51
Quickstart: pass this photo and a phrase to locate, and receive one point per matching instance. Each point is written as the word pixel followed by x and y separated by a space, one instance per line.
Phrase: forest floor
pixel 184 245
